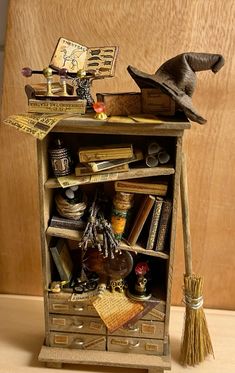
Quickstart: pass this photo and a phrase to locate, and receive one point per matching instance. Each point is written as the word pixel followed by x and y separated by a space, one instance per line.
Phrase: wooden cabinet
pixel 74 332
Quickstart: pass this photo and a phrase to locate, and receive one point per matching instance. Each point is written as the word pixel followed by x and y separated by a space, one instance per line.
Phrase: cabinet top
pixel 168 126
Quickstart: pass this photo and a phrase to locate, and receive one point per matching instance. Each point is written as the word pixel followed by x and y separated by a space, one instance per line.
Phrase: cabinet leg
pixel 56 365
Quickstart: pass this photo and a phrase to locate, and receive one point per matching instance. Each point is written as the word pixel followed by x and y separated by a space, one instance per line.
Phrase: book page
pixel 101 60
pixel 37 125
pixel 69 55
pixel 116 309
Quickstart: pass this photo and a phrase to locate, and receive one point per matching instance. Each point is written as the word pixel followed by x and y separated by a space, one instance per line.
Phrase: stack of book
pixel 106 159
pixel 150 226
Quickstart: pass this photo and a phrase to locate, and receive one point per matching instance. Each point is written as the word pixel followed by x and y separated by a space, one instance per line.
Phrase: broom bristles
pixel 196 342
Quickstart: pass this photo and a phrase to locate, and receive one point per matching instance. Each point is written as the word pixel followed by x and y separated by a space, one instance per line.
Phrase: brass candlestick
pixel 63 76
pixel 47 72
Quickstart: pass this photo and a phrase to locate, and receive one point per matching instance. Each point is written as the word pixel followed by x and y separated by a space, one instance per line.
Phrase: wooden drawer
pixel 74 308
pixel 78 341
pixel 143 329
pixel 84 324
pixel 135 345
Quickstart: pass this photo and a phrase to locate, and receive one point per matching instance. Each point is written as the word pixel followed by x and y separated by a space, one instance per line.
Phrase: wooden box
pixel 154 101
pixel 121 103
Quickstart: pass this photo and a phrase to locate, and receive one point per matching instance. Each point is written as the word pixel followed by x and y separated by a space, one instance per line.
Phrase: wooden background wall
pixel 148 32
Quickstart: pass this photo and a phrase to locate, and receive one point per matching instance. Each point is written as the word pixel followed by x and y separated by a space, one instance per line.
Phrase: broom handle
pixel 185 217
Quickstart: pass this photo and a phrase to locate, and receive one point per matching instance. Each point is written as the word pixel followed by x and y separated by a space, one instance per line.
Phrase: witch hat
pixel 177 78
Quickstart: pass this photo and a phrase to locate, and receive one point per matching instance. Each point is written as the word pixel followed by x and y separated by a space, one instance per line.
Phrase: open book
pixel 74 56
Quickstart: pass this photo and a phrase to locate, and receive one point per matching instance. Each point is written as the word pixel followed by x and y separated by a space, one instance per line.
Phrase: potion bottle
pixel 61 160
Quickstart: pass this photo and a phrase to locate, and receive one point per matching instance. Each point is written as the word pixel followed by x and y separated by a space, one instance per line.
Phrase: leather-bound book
pixel 141 217
pixel 163 225
pixel 154 223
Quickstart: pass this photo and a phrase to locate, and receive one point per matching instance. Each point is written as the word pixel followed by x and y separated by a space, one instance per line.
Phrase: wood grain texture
pixel 148 32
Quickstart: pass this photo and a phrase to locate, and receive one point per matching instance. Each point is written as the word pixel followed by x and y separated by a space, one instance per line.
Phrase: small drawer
pixel 73 308
pixel 78 341
pixel 84 324
pixel 157 313
pixel 143 329
pixel 135 345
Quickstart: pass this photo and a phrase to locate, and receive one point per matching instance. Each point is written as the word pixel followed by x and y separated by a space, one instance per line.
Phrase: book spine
pixel 105 154
pixel 105 165
pixel 142 188
pixel 163 225
pixel 142 215
pixel 154 223
pixel 67 223
pixel 87 171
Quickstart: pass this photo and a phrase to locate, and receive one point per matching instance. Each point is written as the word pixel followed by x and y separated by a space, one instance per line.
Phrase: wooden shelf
pixel 170 126
pixel 99 177
pixel 140 250
pixel 75 235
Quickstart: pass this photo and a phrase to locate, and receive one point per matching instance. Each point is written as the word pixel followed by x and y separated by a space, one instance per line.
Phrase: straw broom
pixel 196 342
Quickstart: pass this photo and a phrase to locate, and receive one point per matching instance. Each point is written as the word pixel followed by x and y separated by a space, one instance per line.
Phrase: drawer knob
pixel 79 326
pixel 79 342
pixel 78 308
pixel 133 344
pixel 134 328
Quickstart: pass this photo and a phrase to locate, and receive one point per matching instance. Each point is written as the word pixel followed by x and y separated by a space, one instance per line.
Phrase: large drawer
pixel 63 305
pixel 135 345
pixel 78 324
pixel 143 329
pixel 78 341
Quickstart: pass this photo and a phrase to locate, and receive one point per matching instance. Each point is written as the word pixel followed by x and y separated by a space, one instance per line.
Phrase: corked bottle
pixel 122 203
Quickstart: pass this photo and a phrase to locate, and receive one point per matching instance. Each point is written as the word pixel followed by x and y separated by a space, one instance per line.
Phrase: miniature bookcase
pixel 74 330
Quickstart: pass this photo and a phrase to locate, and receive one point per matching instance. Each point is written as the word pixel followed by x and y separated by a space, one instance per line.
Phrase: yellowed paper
pixel 37 125
pixel 69 55
pixel 104 177
pixel 120 119
pixel 146 118
pixel 116 309
pixel 72 180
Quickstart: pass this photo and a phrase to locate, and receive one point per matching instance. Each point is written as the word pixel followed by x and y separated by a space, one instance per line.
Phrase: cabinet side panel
pixel 176 184
pixel 45 198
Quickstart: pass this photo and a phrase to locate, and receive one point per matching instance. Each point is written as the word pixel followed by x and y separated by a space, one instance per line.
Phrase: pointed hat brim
pixel 145 80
